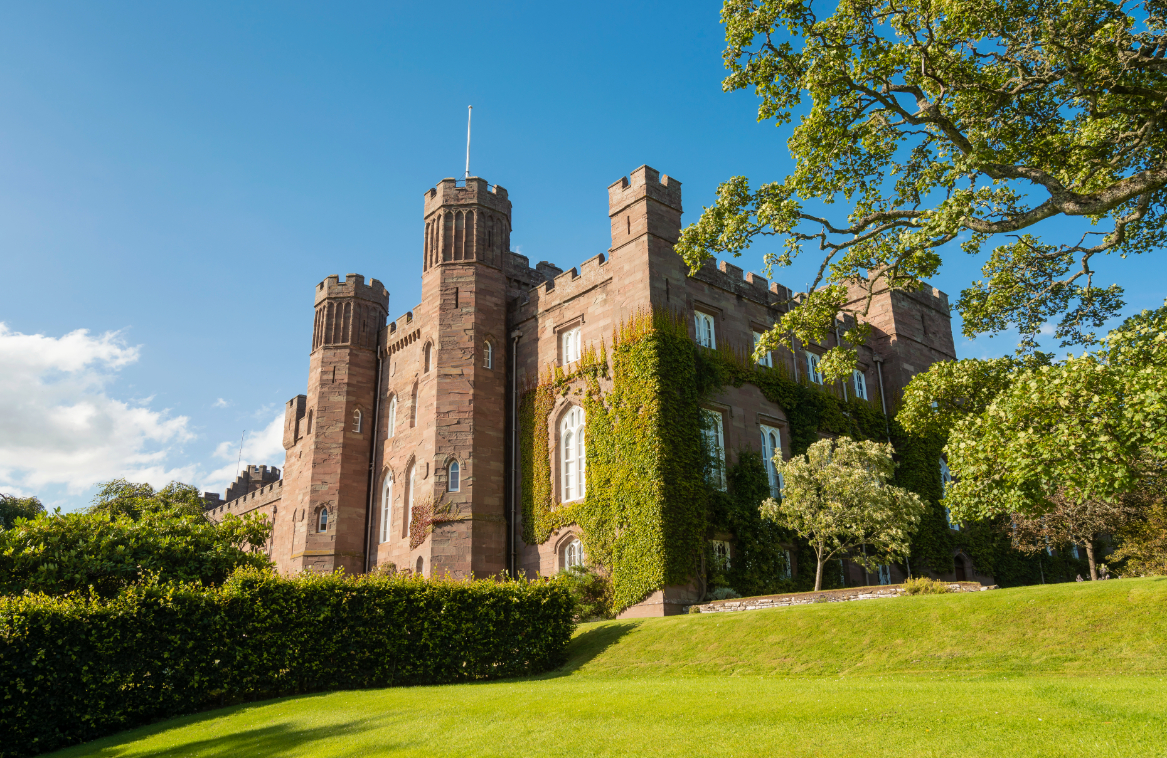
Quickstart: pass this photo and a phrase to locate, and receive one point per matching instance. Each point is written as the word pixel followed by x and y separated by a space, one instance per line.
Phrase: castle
pixel 401 416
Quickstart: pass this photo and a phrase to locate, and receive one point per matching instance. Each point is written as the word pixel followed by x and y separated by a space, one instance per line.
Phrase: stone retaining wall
pixel 825 596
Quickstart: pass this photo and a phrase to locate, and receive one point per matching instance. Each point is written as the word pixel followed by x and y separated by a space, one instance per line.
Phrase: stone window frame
pixel 488 354
pixel 569 542
pixel 704 314
pixel 572 326
pixel 709 413
pixel 391 414
pixel 859 382
pixel 813 374
pixel 409 496
pixel 721 552
pixel 427 356
pixel 453 475
pixel 579 456
pixel 358 420
pixel 768 425
pixel 323 514
pixel 757 333
pixel 387 482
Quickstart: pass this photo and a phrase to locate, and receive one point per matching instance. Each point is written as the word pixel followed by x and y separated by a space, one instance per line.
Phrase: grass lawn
pixel 1072 669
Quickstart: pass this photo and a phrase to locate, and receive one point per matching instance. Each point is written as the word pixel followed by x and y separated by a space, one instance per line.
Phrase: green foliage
pixel 13 508
pixel 590 590
pixel 122 498
pixel 759 560
pixel 644 514
pixel 837 496
pixel 76 668
pixel 928 139
pixel 74 551
pixel 922 585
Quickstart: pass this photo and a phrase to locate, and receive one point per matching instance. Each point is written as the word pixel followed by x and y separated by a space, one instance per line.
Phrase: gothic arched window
pixel 322 521
pixel 387 507
pixel 771 447
pixel 487 355
pixel 573 554
pixel 427 356
pixel 392 414
pixel 573 471
pixel 409 495
pixel 454 483
pixel 357 421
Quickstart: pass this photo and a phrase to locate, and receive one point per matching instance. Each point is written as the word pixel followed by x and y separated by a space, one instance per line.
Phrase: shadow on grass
pixel 260 742
pixel 586 646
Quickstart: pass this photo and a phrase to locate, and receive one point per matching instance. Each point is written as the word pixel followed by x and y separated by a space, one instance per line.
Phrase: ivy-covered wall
pixel 649 513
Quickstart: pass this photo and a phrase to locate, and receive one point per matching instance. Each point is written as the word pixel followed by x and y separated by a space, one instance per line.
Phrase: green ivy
pixel 649 512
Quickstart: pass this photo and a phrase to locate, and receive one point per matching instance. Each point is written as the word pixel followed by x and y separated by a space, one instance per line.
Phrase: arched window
pixel 772 447
pixel 392 414
pixel 487 355
pixel 454 484
pixel 387 507
pixel 420 565
pixel 859 380
pixel 427 356
pixel 357 421
pixel 714 432
pixel 309 422
pixel 409 495
pixel 572 554
pixel 574 469
pixel 322 522
pixel 413 408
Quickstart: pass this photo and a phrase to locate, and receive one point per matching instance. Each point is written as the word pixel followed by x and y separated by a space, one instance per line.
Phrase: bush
pixel 723 593
pixel 13 508
pixel 922 585
pixel 76 668
pixel 590 591
pixel 74 551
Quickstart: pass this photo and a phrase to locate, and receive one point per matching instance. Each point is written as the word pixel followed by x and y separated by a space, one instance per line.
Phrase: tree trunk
pixel 1090 557
pixel 818 574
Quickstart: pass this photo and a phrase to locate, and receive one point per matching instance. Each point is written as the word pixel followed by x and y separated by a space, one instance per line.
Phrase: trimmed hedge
pixel 73 669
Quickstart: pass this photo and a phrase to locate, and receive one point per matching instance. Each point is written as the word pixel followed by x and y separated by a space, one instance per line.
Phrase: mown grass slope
pixel 1062 670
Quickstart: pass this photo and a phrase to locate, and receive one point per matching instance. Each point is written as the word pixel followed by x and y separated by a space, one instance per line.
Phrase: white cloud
pixel 58 425
pixel 220 403
pixel 261 447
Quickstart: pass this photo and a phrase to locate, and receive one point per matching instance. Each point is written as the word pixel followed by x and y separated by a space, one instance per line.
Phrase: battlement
pixel 747 284
pixel 644 182
pixel 928 296
pixel 257 498
pixel 472 191
pixel 353 286
pixel 251 479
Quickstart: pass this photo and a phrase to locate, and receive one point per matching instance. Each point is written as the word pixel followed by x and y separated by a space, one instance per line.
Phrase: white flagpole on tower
pixel 469 113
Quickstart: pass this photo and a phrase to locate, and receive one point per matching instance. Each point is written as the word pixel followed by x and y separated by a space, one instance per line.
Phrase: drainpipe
pixel 511 538
pixel 373 459
pixel 882 399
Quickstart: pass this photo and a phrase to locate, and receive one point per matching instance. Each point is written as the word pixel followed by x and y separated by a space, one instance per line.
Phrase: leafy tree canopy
pixel 122 498
pixel 1022 434
pixel 940 121
pixel 837 497
pixel 13 507
pixel 61 553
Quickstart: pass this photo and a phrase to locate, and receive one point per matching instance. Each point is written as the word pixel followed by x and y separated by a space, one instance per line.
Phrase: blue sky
pixel 174 179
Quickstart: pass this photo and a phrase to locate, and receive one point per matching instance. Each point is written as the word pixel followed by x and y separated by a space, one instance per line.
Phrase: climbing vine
pixel 648 511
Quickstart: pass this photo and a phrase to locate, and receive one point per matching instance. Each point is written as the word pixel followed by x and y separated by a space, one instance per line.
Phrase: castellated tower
pixel 445 392
pixel 645 212
pixel 328 433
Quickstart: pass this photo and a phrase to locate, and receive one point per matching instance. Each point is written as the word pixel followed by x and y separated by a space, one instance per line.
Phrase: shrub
pixel 723 593
pixel 74 551
pixel 922 585
pixel 590 591
pixel 76 668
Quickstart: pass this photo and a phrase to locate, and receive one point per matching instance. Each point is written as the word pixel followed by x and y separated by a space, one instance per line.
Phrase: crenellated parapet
pixel 349 312
pixel 466 220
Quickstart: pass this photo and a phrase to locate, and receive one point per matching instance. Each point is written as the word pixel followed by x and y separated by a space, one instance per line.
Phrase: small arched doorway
pixel 961 570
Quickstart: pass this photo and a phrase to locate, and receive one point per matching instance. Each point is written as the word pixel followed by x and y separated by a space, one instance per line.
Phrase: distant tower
pixel 467 234
pixel 328 433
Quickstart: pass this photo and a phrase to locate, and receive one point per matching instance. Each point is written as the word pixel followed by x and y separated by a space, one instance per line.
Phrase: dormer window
pixel 706 333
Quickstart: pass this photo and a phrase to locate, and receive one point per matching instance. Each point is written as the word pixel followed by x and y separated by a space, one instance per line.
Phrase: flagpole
pixel 469 113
